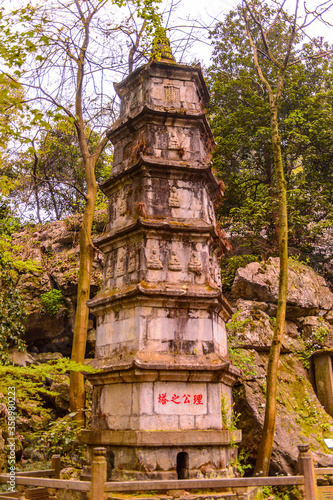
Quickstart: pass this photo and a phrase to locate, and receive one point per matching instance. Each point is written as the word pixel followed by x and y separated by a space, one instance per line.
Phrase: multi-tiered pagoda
pixel 161 335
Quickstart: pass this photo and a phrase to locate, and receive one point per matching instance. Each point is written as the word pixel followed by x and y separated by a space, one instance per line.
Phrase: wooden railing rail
pixel 98 485
pixel 188 484
pixel 36 473
pixel 320 471
pixel 59 484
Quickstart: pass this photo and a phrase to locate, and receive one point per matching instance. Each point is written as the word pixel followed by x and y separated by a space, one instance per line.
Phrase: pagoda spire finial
pixel 161 48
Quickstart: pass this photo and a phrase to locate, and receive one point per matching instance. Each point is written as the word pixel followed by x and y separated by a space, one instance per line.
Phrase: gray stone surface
pixel 20 358
pixel 307 291
pixel 160 330
pixel 302 393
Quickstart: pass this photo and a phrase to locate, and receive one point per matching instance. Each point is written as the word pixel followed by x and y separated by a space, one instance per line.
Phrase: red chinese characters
pixel 196 399
pixel 162 399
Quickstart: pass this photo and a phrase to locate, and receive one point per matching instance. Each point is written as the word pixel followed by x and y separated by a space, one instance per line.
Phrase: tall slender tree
pixel 260 29
pixel 76 50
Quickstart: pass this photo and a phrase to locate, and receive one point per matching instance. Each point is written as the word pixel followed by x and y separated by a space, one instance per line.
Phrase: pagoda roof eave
pixel 157 111
pixel 152 161
pixel 196 294
pixel 159 225
pixel 167 66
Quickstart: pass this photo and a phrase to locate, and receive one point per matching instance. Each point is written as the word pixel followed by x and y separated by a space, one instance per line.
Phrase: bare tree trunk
pixel 76 384
pixel 267 438
pixel 51 191
pixel 76 387
pixel 36 161
pixel 274 222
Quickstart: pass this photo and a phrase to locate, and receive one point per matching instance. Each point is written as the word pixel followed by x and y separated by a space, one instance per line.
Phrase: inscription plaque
pixel 180 398
pixel 171 93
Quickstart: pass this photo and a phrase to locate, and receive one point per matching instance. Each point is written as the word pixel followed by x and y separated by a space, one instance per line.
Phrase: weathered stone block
pixel 159 422
pixel 116 400
pixel 209 421
pixel 324 379
pixel 186 422
pixel 146 399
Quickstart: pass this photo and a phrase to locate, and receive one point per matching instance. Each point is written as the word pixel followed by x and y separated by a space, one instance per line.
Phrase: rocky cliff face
pixel 301 418
pixel 50 320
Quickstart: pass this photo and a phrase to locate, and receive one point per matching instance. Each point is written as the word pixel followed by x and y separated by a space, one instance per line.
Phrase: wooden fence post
pixel 98 473
pixel 56 465
pixel 307 470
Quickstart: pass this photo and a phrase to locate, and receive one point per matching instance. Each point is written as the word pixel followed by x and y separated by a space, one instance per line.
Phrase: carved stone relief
pixel 174 200
pixel 153 261
pixel 121 263
pixel 109 274
pixel 109 268
pixel 116 155
pixel 174 263
pixel 128 150
pixel 210 212
pixel 132 262
pixel 134 100
pixel 124 103
pixel 123 201
pixel 211 269
pixel 173 140
pixel 163 141
pixel 218 279
pixel 195 265
pixel 214 271
pixel 123 205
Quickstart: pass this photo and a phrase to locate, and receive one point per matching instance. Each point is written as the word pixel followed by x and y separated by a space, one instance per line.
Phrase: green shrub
pixel 51 301
pixel 63 438
pixel 12 314
pixel 36 424
pixel 244 360
pixel 312 344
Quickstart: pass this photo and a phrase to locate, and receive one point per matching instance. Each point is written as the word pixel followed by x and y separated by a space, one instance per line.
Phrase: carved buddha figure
pixel 195 265
pixel 153 261
pixel 174 200
pixel 174 263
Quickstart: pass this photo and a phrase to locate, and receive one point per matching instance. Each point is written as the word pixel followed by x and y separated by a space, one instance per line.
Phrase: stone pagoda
pixel 161 338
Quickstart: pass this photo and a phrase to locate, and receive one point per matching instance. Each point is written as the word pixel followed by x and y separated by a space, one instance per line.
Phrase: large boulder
pixel 308 292
pixel 21 358
pixel 253 328
pixel 300 417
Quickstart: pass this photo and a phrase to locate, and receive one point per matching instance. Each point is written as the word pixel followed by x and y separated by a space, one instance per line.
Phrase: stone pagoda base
pixel 140 455
pixel 159 416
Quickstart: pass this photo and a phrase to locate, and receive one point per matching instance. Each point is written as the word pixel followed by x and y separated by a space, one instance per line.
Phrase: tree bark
pixel 36 161
pixel 76 386
pixel 267 439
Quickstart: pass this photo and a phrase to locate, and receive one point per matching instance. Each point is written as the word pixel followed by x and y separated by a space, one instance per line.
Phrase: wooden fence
pixel 98 488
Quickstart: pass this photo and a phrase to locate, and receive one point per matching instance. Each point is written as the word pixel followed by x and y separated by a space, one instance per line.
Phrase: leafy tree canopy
pixel 239 113
pixel 50 174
